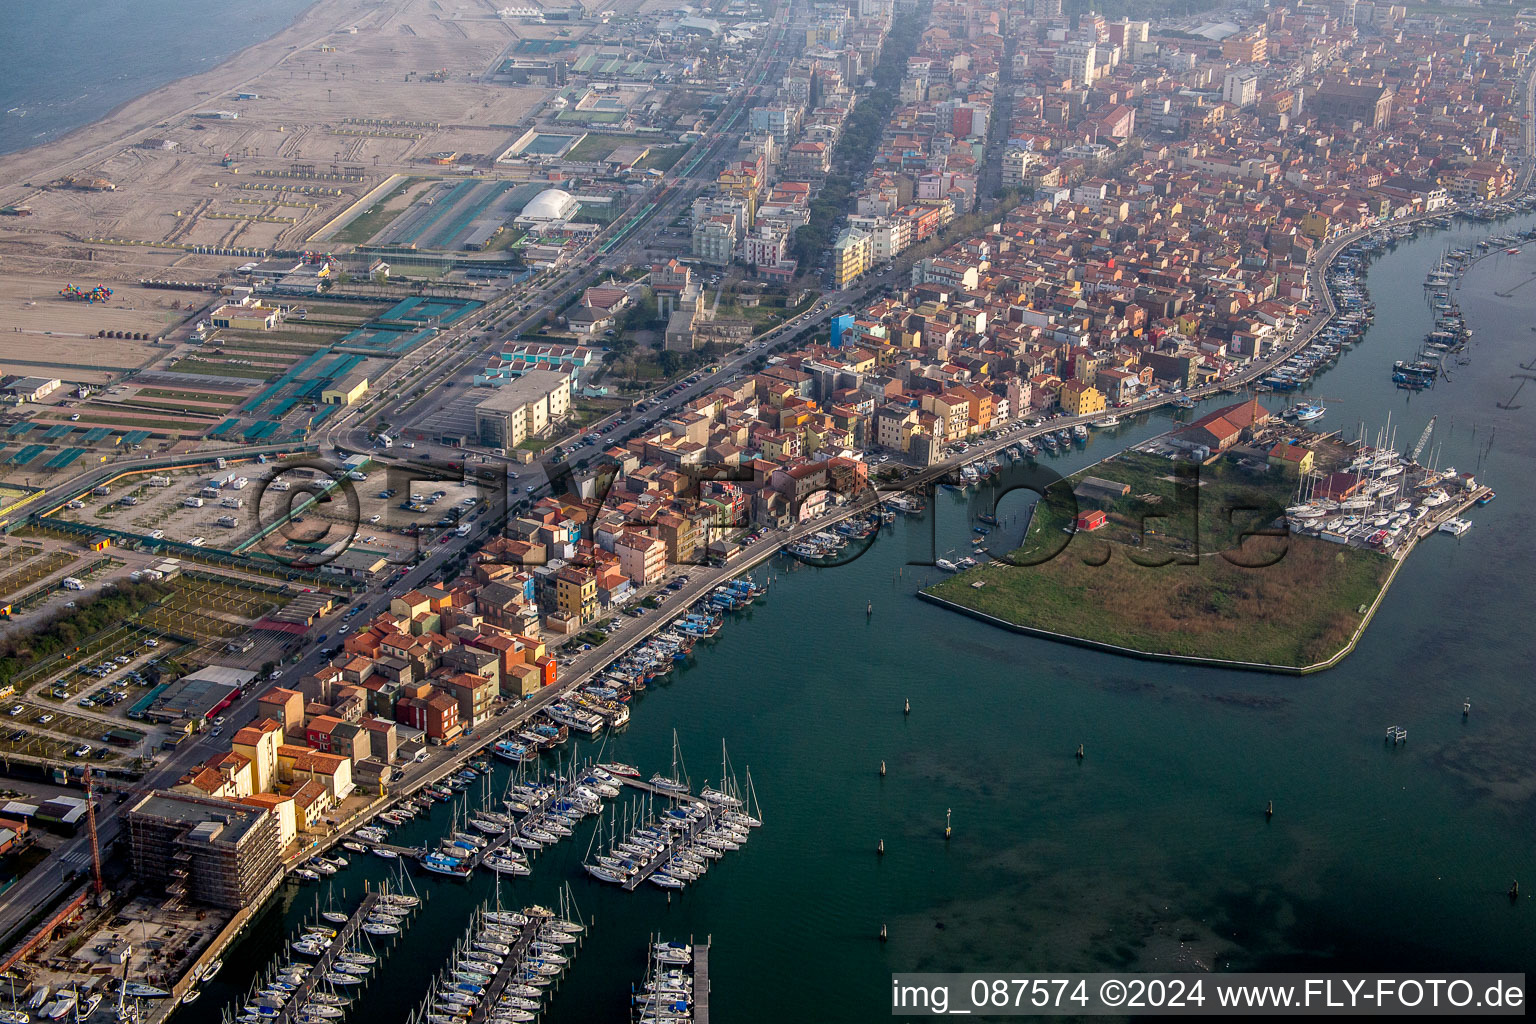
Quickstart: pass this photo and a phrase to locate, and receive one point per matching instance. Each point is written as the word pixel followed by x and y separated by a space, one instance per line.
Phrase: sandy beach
pixel 139 116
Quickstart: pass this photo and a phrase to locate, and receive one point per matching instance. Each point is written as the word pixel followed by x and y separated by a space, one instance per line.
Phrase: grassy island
pixel 1186 564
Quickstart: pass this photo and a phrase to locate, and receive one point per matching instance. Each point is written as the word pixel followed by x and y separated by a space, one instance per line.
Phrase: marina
pixel 792 865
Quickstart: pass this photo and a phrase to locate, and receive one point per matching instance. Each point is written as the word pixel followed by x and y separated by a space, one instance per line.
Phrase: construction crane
pixel 1418 449
pixel 91 784
pixel 90 822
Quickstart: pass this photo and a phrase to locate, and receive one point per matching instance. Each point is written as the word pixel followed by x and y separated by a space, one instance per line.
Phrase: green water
pixel 1153 852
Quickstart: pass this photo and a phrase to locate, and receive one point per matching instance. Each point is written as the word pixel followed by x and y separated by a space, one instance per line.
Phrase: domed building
pixel 548 207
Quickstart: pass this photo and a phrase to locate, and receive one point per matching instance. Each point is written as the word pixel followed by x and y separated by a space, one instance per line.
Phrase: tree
pixel 268 668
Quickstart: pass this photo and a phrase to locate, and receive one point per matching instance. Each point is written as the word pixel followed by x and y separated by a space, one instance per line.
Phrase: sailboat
pixel 673 783
pixel 725 796
pixel 14 1015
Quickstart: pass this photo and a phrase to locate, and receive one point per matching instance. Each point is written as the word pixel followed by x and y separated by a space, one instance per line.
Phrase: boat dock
pixel 679 839
pixel 701 983
pixel 509 966
pixel 646 787
pixel 1450 510
pixel 323 963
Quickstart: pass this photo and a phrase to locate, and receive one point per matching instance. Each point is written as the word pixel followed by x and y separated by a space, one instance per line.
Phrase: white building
pixel 1075 61
pixel 552 206
pixel 1240 88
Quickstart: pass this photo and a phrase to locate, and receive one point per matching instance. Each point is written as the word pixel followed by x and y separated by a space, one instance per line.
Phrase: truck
pixel 220 463
pixel 228 521
pixel 232 502
pixel 193 502
pixel 71 583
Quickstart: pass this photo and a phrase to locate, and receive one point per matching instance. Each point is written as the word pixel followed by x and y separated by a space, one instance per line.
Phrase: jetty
pixel 701 983
pixel 679 839
pixel 509 967
pixel 324 963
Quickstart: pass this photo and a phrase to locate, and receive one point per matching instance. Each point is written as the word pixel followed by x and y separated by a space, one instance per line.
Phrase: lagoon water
pixel 1153 853
pixel 67 63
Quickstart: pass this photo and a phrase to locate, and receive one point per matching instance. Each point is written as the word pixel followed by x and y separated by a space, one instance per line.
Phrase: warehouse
pixel 199 696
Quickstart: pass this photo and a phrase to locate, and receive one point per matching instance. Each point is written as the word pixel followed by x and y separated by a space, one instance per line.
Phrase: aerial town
pixel 384 413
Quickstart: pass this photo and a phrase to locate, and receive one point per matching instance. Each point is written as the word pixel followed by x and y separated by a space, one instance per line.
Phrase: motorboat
pixel 62 1005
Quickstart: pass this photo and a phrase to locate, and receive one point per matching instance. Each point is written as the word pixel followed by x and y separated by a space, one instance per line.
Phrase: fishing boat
pixel 1107 422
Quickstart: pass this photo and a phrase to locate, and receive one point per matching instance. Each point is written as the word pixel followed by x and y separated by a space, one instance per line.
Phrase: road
pixel 42 884
pixel 450 353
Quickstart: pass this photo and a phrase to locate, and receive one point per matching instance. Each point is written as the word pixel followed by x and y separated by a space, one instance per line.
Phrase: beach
pixel 139 116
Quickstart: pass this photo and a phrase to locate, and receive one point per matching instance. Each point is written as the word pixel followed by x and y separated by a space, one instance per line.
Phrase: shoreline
pixel 140 114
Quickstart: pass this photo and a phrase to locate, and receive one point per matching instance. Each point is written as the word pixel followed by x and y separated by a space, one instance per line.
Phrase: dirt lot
pixel 49 336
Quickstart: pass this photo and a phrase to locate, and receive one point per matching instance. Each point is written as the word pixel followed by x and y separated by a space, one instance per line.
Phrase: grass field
pixel 1179 571
pixel 372 220
pixel 208 397
pixel 662 158
pixel 192 365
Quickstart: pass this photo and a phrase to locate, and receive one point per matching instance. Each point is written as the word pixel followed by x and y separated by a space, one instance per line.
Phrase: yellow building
pixel 1293 459
pixel 740 180
pixel 1315 226
pixel 576 594
pixel 346 390
pixel 1079 399
pixel 851 256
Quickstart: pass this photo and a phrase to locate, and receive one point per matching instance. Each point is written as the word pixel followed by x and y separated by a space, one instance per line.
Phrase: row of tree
pixel 113 605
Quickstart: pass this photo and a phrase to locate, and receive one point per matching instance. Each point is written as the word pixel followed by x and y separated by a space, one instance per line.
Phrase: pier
pixel 1450 510
pixel 323 963
pixel 509 966
pixel 701 983
pixel 679 839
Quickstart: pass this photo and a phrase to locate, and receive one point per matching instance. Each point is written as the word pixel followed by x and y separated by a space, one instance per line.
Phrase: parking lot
pixel 392 511
pixel 226 509
pixel 42 731
pixel 215 509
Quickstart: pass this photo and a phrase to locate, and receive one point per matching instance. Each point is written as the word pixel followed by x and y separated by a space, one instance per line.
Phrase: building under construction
pixel 208 851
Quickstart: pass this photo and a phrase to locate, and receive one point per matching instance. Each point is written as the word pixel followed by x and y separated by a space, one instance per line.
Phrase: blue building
pixel 840 324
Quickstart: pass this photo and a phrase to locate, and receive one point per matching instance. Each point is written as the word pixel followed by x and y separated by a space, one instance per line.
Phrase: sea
pixel 1152 852
pixel 68 63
